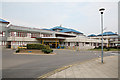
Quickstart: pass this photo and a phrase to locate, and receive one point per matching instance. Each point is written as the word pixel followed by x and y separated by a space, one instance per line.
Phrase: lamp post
pixel 101 11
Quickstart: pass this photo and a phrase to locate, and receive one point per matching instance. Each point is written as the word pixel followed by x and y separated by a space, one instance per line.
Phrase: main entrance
pixel 8 44
pixel 53 42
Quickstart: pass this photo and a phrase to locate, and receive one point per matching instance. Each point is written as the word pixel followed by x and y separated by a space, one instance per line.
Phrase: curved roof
pixel 92 35
pixel 46 29
pixel 65 29
pixel 1 20
pixel 70 30
pixel 107 33
pixel 58 27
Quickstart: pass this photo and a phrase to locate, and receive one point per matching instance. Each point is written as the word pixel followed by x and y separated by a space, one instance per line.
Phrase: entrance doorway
pixel 53 46
pixel 8 44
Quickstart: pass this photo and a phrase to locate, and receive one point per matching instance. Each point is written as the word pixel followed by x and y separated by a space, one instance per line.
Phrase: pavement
pixel 18 66
pixel 91 69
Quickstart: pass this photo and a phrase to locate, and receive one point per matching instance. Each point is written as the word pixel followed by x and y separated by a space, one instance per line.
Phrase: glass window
pixel 64 43
pixel 68 43
pixel 83 43
pixel 77 43
pixel 1 33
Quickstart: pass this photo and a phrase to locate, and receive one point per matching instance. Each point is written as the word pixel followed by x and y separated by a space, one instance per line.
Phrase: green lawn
pixel 111 49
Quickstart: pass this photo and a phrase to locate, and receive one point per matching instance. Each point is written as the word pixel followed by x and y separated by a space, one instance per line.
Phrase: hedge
pixel 104 47
pixel 35 46
pixel 45 49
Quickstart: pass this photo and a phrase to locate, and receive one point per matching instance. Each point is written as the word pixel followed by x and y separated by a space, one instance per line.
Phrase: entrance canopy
pixel 54 42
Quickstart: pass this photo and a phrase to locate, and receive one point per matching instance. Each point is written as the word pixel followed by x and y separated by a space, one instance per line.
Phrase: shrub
pixel 47 51
pixel 43 50
pixel 17 51
pixel 47 47
pixel 51 50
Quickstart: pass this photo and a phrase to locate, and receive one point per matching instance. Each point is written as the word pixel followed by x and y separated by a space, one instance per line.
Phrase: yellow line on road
pixel 65 67
pixel 62 68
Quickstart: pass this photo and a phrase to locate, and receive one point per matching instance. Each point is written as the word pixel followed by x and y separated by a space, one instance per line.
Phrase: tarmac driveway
pixel 33 66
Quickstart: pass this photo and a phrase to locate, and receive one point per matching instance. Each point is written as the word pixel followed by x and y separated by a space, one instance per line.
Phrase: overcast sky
pixel 81 16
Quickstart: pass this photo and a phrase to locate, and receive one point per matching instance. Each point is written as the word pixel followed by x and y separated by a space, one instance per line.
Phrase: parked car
pixel 22 47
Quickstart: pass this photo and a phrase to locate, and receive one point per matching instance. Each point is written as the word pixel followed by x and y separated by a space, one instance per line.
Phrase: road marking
pixel 32 54
pixel 65 67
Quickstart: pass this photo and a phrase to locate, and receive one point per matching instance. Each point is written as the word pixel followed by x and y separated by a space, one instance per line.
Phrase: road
pixel 33 66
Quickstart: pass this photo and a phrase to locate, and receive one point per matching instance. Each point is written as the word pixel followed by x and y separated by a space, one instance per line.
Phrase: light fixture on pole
pixel 101 11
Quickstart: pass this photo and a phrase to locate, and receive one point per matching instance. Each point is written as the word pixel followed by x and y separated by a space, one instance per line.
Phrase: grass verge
pixel 111 49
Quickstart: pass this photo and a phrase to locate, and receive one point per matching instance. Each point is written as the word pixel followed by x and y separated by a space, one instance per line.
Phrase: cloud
pixel 60 1
pixel 82 16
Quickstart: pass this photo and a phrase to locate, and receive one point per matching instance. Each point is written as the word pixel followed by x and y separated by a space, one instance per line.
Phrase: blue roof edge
pixel 65 29
pixel 92 35
pixel 4 21
pixel 107 33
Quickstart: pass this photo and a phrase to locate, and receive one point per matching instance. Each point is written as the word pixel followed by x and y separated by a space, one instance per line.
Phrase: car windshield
pixel 22 46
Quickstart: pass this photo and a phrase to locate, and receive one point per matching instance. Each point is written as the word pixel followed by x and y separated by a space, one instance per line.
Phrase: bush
pixel 43 50
pixel 35 46
pixel 47 47
pixel 17 51
pixel 47 51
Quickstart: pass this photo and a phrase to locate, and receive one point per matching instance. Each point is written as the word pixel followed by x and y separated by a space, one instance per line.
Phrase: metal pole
pixel 14 41
pixel 102 37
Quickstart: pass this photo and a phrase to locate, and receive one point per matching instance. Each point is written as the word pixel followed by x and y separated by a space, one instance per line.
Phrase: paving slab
pixel 91 69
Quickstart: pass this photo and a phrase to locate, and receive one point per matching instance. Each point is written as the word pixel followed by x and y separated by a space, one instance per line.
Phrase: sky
pixel 81 16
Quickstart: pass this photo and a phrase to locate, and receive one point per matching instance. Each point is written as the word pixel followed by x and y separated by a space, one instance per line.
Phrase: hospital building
pixel 13 36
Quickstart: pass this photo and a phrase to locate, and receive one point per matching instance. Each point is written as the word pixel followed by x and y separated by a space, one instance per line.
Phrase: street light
pixel 101 11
